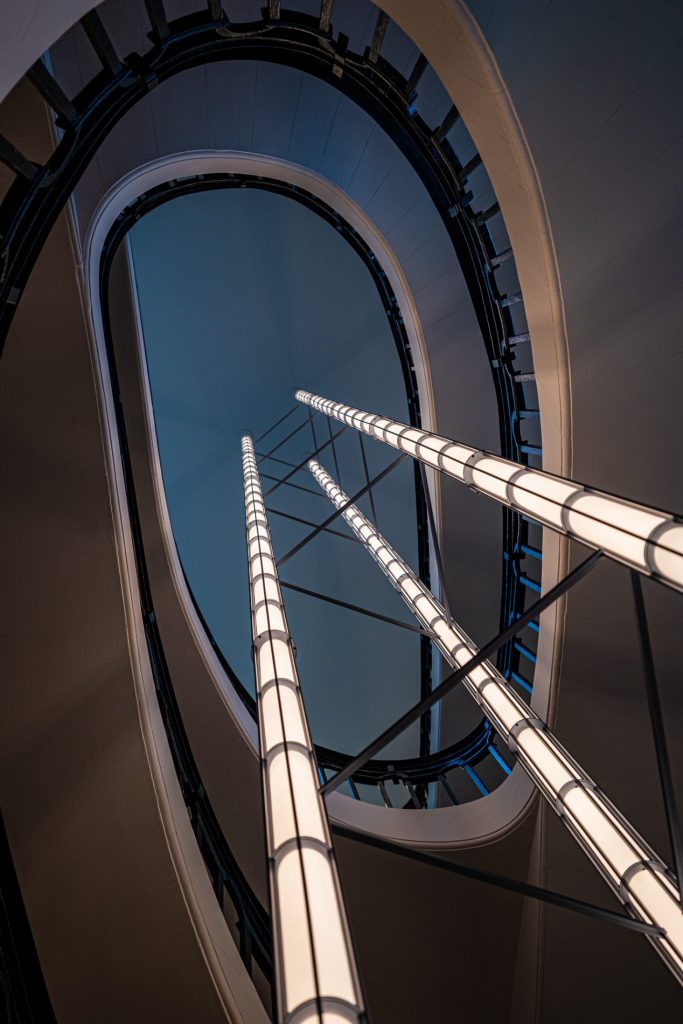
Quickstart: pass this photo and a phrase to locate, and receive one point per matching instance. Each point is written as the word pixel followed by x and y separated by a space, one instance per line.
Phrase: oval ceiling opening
pixel 243 296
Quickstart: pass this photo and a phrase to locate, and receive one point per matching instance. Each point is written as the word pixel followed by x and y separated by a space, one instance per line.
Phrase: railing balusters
pixel 449 121
pixel 325 15
pixel 100 42
pixel 378 36
pixel 416 74
pixel 51 91
pixel 157 19
pixel 11 157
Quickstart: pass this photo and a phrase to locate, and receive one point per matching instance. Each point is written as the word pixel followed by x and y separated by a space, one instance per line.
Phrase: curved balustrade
pixel 233 892
pixel 460 772
pixel 456 182
pixel 37 197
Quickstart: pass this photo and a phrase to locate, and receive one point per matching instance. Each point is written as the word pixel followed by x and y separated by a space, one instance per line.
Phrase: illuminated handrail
pixel 645 539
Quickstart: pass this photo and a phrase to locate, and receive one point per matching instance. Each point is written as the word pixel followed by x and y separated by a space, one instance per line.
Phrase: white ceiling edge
pixel 228 974
pixel 126 191
pixel 448 35
pixel 189 164
pixel 476 823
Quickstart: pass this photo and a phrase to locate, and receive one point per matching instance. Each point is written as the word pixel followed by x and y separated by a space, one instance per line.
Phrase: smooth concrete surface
pixel 119 901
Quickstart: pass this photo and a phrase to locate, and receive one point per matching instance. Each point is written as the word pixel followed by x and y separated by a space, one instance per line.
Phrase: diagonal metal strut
pixel 456 677
pixel 307 522
pixel 284 440
pixel 276 424
pixel 356 608
pixel 285 479
pixel 501 881
pixel 331 518
pixel 658 730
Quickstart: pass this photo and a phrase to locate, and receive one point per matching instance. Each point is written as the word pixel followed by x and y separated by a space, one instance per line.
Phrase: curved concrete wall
pixel 120 904
pixel 278 112
pixel 587 169
pixel 230 770
pixel 198 688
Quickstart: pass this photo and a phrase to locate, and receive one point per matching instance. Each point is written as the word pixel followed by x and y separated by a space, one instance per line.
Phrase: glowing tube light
pixel 643 538
pixel 631 868
pixel 317 979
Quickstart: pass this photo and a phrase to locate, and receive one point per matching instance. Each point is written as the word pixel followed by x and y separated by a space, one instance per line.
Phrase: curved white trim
pixel 448 35
pixel 228 974
pixel 478 822
pixel 211 162
pixel 180 165
pixel 29 28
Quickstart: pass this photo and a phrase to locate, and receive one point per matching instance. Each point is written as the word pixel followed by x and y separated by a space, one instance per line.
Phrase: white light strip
pixel 317 978
pixel 643 538
pixel 633 871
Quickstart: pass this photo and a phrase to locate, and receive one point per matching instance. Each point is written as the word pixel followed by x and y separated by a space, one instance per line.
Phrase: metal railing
pixel 38 195
pixel 450 170
pixel 475 764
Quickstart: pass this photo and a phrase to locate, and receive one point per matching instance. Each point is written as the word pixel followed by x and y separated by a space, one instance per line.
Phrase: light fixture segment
pixel 639 878
pixel 643 538
pixel 316 973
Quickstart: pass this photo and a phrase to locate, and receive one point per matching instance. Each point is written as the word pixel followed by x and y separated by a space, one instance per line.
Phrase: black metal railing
pixel 38 195
pixel 464 770
pixel 452 174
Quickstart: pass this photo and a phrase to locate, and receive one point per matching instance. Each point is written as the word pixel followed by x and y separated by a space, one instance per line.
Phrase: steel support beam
pixel 378 36
pixel 16 161
pixel 534 892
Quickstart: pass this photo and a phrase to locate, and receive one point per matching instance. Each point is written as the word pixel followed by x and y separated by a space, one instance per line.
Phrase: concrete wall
pixel 120 904
pixel 595 92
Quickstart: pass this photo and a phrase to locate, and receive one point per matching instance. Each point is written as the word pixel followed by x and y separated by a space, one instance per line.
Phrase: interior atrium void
pixel 342 513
